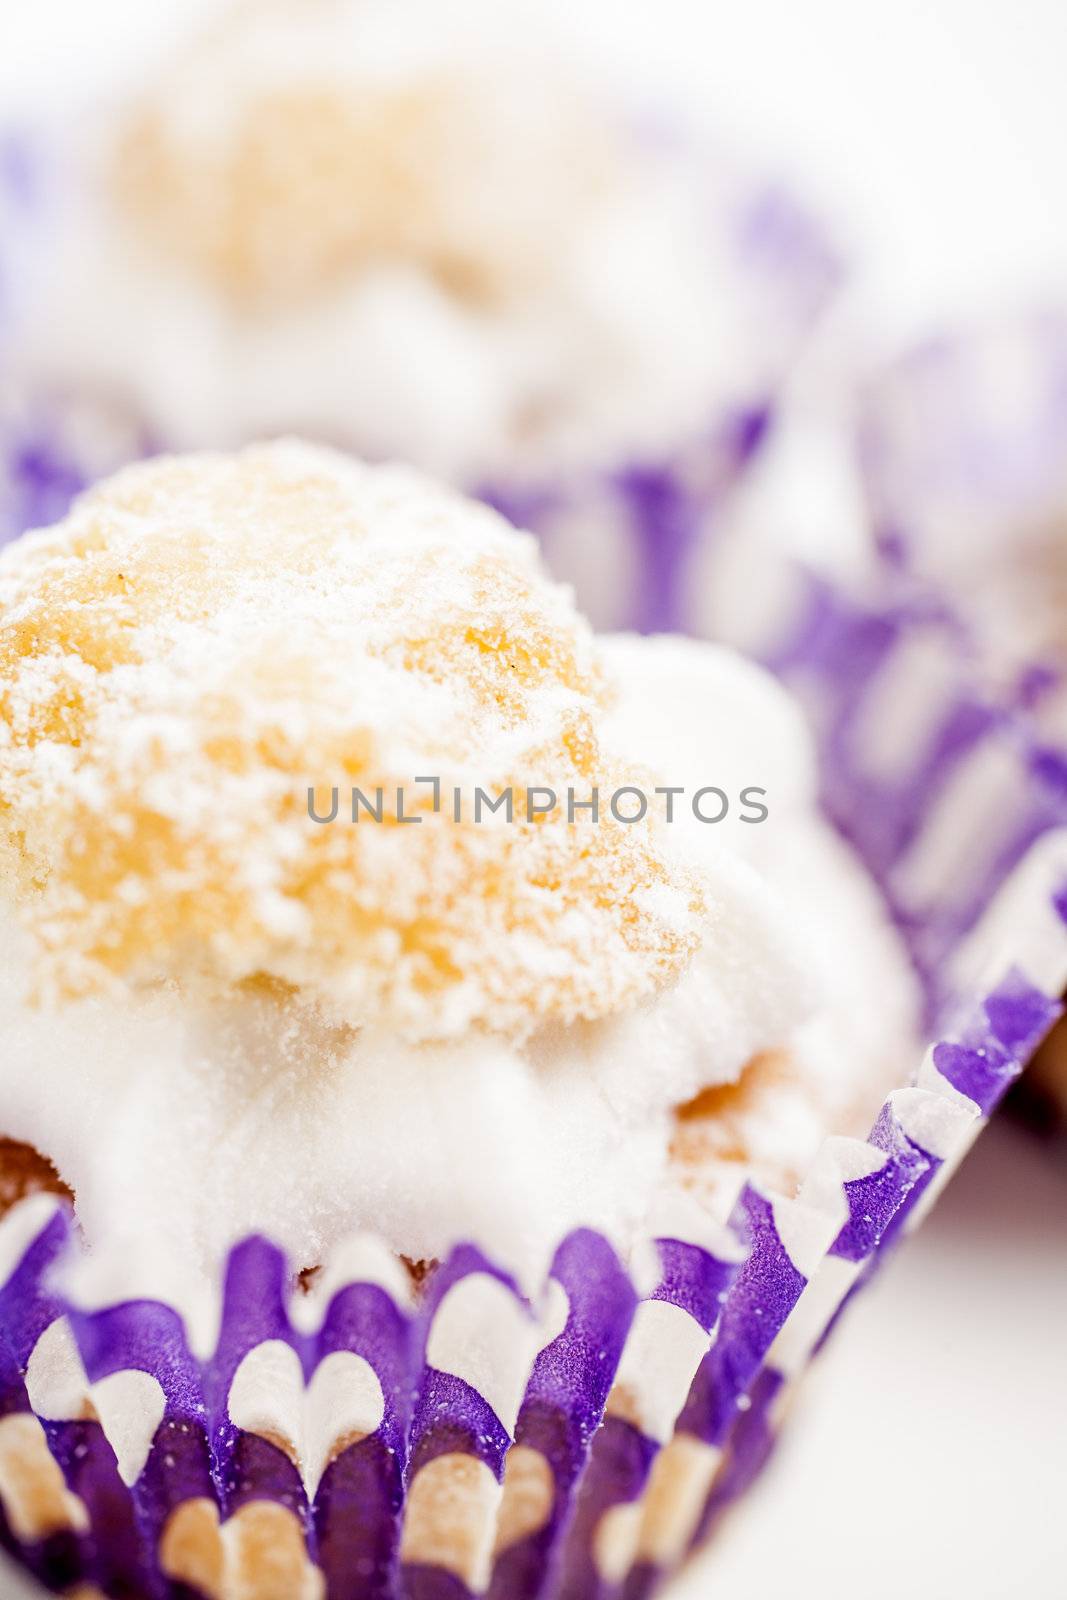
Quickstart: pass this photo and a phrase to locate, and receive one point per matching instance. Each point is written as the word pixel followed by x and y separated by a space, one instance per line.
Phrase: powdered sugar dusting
pixel 203 639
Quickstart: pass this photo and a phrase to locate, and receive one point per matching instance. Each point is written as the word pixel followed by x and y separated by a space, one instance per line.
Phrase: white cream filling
pixel 695 708
pixel 182 1129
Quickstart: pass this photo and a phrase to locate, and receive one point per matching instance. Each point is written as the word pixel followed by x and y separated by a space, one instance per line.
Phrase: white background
pixel 929 1451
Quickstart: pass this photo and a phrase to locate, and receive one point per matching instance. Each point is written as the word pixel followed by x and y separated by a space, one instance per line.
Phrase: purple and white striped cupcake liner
pixel 366 1440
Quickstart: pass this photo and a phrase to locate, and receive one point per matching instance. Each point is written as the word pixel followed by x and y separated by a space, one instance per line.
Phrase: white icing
pixel 692 709
pixel 195 1124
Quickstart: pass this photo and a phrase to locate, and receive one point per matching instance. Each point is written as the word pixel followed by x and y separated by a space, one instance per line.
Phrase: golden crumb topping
pixel 205 639
pixel 278 158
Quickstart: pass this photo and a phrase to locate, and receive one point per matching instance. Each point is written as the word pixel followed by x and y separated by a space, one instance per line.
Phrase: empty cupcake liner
pixel 962 445
pixel 363 1440
pixel 622 529
pixel 963 450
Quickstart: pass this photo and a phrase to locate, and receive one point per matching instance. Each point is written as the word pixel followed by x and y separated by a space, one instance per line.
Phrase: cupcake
pixel 440 1047
pixel 196 655
pixel 426 236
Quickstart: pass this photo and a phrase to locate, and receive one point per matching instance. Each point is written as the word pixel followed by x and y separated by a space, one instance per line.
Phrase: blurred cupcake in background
pixel 420 232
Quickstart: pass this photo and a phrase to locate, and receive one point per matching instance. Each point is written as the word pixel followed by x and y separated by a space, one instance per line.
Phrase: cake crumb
pixel 203 640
